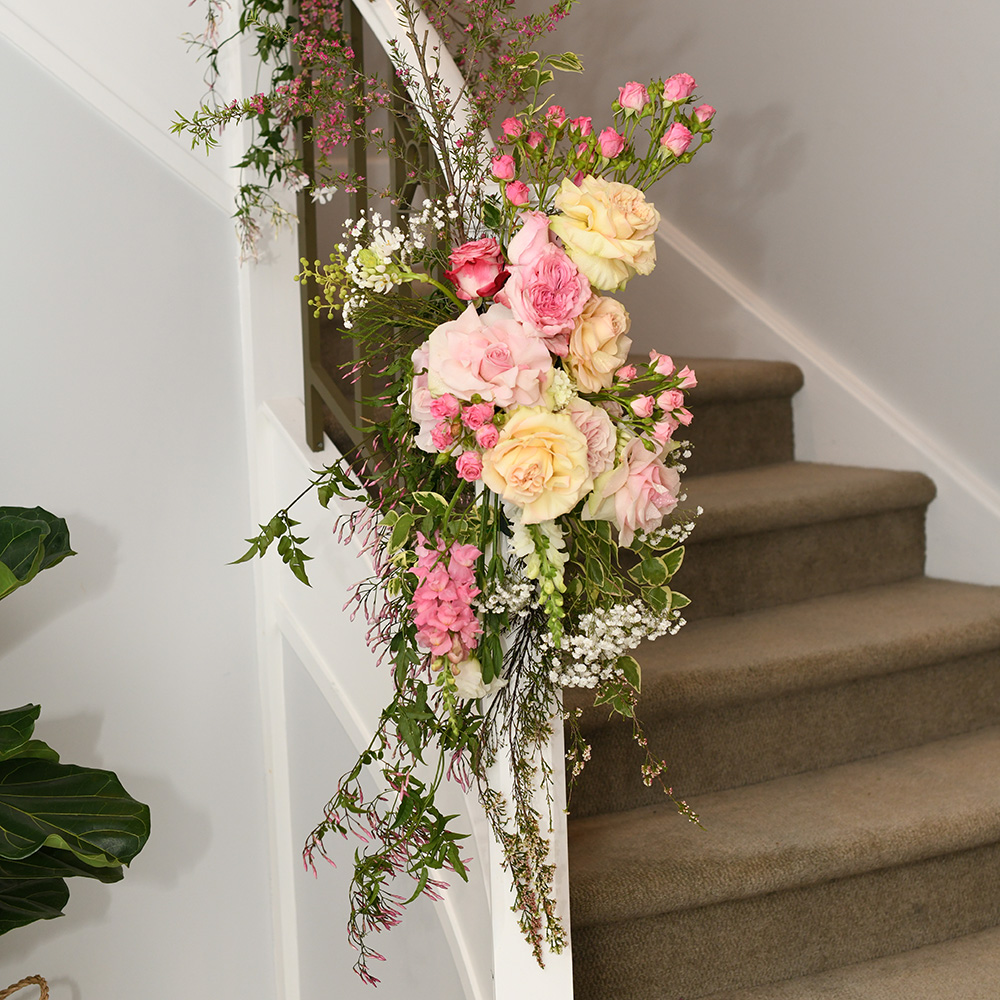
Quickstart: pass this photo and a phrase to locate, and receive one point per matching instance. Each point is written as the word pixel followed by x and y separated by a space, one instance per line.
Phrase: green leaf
pixel 78 809
pixel 526 60
pixel 31 539
pixel 48 862
pixel 658 598
pixel 568 62
pixel 23 901
pixel 16 727
pixel 400 532
pixel 673 559
pixel 434 503
pixel 655 571
pixel 36 749
pixel 678 601
pixel 630 671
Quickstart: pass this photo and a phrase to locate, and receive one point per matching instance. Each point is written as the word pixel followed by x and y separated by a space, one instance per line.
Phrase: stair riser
pixel 731 435
pixel 798 932
pixel 725 576
pixel 742 744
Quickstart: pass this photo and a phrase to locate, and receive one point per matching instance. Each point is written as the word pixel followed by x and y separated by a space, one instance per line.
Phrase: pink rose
pixel 687 378
pixel 583 125
pixel 596 426
pixel 503 167
pixel 626 373
pixel 677 138
pixel 670 400
pixel 642 406
pixel 476 414
pixel 517 193
pixel 444 407
pixel 442 435
pixel 611 143
pixel 704 112
pixel 636 494
pixel 633 96
pixel 477 269
pixel 555 115
pixel 512 128
pixel 678 88
pixel 684 416
pixel 469 466
pixel 663 363
pixel 663 429
pixel 535 139
pixel 492 355
pixel 487 436
pixel 545 292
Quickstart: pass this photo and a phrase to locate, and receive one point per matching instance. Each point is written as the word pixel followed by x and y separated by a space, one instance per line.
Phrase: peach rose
pixel 539 464
pixel 607 229
pixel 598 345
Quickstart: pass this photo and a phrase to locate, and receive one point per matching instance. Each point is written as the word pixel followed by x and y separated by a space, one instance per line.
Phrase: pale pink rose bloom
pixel 503 167
pixel 636 494
pixel 611 143
pixel 633 96
pixel 545 292
pixel 478 269
pixel 555 115
pixel 663 429
pixel 517 193
pixel 642 406
pixel 420 402
pixel 626 373
pixel 677 138
pixel 445 407
pixel 476 414
pixel 678 88
pixel 512 128
pixel 663 363
pixel 535 139
pixel 687 378
pixel 469 466
pixel 670 400
pixel 492 355
pixel 596 426
pixel 487 436
pixel 704 112
pixel 583 125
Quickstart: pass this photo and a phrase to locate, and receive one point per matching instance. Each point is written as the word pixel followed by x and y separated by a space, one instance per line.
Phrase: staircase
pixel 831 713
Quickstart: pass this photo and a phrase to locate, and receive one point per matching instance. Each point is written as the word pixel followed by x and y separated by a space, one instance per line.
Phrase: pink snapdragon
pixel 442 601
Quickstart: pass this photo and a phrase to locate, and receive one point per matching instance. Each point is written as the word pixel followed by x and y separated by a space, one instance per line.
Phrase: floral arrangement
pixel 519 486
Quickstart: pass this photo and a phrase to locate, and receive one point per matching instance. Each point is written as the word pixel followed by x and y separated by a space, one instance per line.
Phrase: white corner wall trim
pixel 152 137
pixel 941 458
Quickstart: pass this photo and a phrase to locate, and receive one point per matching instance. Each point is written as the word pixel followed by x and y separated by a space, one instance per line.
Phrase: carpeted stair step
pixel 788 532
pixel 966 968
pixel 743 414
pixel 742 699
pixel 790 877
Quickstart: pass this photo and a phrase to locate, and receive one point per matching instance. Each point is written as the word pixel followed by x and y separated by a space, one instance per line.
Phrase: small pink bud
pixel 663 429
pixel 503 168
pixel 687 378
pixel 663 363
pixel 512 128
pixel 442 436
pixel 633 96
pixel 626 373
pixel 676 139
pixel 469 466
pixel 672 399
pixel 704 112
pixel 611 143
pixel 517 193
pixel 487 436
pixel 678 88
pixel 642 406
pixel 583 125
pixel 476 414
pixel 555 115
pixel 535 139
pixel 684 416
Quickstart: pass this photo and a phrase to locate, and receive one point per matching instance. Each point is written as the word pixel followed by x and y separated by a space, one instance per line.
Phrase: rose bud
pixel 555 115
pixel 704 112
pixel 487 436
pixel 642 406
pixel 517 193
pixel 633 97
pixel 444 407
pixel 663 363
pixel 469 466
pixel 626 373
pixel 503 168
pixel 535 139
pixel 687 378
pixel 512 128
pixel 583 125
pixel 478 269
pixel 678 88
pixel 611 143
pixel 676 139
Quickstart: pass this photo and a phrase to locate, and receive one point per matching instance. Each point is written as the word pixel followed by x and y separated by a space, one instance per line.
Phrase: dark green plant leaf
pixel 82 810
pixel 31 539
pixel 50 863
pixel 23 901
pixel 37 749
pixel 16 727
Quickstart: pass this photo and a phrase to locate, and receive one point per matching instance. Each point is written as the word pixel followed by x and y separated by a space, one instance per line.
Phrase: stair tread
pixel 770 497
pixel 722 379
pixel 965 968
pixel 814 643
pixel 800 830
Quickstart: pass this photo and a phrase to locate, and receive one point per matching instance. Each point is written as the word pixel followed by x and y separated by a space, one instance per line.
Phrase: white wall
pixel 851 191
pixel 122 410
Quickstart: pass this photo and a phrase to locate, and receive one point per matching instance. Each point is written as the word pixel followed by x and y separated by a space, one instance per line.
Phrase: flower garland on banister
pixel 519 493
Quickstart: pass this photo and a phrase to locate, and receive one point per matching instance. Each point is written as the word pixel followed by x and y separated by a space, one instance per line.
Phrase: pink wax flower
pixel 663 429
pixel 663 363
pixel 672 399
pixel 678 88
pixel 476 414
pixel 642 406
pixel 555 115
pixel 503 167
pixel 478 269
pixel 487 436
pixel 704 112
pixel 517 193
pixel 633 96
pixel 469 466
pixel 512 128
pixel 676 139
pixel 626 373
pixel 535 139
pixel 444 407
pixel 687 378
pixel 582 125
pixel 611 143
pixel 442 436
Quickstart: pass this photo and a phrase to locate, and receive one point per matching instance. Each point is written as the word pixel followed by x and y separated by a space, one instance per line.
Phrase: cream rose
pixel 607 229
pixel 598 345
pixel 539 464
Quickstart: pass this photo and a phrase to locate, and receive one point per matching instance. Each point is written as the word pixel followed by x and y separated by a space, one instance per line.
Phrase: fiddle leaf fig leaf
pixel 23 901
pixel 16 727
pixel 31 539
